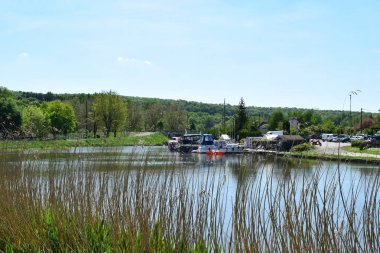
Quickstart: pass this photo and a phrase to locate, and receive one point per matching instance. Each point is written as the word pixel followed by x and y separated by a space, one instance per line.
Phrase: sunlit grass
pixel 128 140
pixel 374 151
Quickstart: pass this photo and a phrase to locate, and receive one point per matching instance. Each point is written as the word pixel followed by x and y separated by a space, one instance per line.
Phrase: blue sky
pixel 306 54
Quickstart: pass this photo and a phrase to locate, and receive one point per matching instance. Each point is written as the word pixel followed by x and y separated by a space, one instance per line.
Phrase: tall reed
pixel 87 203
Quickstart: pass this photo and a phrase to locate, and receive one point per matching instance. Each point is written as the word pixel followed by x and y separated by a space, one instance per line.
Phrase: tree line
pixel 37 115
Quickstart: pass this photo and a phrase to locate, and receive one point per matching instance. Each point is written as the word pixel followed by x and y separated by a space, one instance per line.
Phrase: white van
pixel 271 135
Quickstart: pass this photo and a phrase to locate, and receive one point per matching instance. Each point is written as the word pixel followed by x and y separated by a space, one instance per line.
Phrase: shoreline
pixel 345 157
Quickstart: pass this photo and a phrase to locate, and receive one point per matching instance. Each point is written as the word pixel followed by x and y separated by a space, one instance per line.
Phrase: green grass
pixel 131 139
pixel 373 151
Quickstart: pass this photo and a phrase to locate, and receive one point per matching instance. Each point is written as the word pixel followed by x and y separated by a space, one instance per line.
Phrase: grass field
pixel 131 139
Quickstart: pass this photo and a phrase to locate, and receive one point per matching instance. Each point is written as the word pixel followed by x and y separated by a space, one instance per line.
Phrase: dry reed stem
pixel 123 205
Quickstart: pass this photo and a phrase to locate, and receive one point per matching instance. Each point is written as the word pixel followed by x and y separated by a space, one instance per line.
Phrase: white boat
pixel 222 146
pixel 192 142
pixel 173 143
pixel 226 145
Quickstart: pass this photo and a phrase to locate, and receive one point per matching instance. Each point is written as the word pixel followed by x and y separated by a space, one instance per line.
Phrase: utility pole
pixel 86 120
pixel 361 120
pixel 224 114
pixel 350 117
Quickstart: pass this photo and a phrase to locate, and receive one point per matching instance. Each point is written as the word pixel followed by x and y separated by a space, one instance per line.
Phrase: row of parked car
pixel 347 138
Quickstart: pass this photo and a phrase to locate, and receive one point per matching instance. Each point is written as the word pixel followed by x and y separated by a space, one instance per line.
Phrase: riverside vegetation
pixel 118 204
pixel 131 139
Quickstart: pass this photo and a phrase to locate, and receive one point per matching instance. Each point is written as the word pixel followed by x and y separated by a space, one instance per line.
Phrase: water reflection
pixel 129 173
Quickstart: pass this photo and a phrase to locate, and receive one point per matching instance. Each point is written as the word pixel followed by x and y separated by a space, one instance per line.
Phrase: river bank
pixel 329 151
pixel 131 139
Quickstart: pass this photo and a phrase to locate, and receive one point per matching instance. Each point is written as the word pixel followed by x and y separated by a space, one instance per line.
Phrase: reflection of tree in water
pixel 368 171
pixel 245 168
pixel 252 165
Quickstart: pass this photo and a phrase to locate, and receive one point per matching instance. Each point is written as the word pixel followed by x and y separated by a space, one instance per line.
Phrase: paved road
pixel 142 134
pixel 333 148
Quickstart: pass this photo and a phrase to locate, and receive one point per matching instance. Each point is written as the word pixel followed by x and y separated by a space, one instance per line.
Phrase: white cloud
pixel 122 60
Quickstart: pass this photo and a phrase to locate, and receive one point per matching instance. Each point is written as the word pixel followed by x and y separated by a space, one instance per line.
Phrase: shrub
pixel 361 144
pixel 302 147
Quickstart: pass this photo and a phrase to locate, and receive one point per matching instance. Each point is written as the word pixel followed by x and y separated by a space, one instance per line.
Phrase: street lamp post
pixel 353 92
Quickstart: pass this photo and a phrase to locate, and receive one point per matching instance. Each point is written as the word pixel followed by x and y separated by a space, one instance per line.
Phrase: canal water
pixel 234 170
pixel 263 182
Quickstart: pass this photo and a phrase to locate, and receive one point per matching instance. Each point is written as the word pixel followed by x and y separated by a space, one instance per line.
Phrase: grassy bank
pixel 373 151
pixel 71 205
pixel 321 156
pixel 131 139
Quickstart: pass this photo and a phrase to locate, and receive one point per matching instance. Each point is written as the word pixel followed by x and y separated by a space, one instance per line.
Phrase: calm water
pixel 236 169
pixel 233 170
pixel 266 180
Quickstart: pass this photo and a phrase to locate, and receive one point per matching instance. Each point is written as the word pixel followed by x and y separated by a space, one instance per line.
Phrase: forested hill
pixel 189 106
pixel 22 112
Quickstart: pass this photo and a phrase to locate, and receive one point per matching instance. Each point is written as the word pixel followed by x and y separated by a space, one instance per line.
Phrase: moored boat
pixel 191 142
pixel 173 143
pixel 224 145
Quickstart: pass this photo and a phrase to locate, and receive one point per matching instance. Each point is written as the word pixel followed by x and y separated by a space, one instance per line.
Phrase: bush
pixel 302 147
pixel 361 144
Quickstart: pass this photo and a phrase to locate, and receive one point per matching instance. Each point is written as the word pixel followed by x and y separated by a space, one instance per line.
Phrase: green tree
pixel 81 104
pixel 175 118
pixel 34 122
pixel 192 124
pixel 154 117
pixel 10 115
pixel 134 117
pixel 60 116
pixel 109 109
pixel 209 123
pixel 276 120
pixel 328 127
pixel 241 117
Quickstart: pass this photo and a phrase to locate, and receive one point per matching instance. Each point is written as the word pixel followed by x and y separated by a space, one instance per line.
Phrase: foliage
pixel 361 144
pixel 175 118
pixel 81 106
pixel 302 147
pixel 154 117
pixel 109 110
pixel 149 114
pixel 134 120
pixel 328 127
pixel 365 123
pixel 241 117
pixel 34 122
pixel 60 116
pixel 10 115
pixel 276 120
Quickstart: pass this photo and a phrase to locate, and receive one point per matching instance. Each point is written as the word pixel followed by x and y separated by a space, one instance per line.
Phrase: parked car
pixel 357 137
pixel 331 137
pixel 374 142
pixel 341 138
pixel 327 137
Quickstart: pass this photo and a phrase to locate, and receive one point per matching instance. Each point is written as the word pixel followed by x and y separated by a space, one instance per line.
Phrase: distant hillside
pixel 190 106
